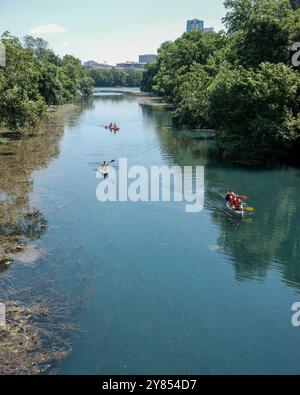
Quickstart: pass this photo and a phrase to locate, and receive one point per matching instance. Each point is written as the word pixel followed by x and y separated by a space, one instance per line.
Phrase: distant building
pixel 197 24
pixel 91 64
pixel 209 29
pixel 147 58
pixel 194 24
pixel 131 66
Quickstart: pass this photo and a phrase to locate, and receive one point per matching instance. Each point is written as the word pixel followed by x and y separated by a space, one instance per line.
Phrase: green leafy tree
pixel 21 103
pixel 261 30
pixel 35 77
pixel 115 78
pixel 149 74
pixel 176 59
pixel 256 112
pixel 192 98
pixel 51 86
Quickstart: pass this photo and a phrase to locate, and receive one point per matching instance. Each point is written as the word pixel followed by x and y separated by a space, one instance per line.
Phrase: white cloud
pixel 47 29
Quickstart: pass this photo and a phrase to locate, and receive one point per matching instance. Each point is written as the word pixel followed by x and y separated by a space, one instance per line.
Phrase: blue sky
pixel 106 30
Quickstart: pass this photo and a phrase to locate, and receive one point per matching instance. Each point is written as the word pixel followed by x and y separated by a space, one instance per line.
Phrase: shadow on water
pixel 266 239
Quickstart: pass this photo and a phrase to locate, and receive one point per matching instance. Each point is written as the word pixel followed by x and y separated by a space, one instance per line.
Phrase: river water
pixel 167 292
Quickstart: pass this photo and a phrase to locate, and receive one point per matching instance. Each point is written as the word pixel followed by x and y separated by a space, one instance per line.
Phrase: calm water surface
pixel 175 293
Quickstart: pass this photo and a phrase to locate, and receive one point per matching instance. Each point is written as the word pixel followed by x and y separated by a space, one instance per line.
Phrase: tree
pixel 261 30
pixel 176 59
pixel 35 77
pixel 113 77
pixel 38 46
pixel 149 74
pixel 21 103
pixel 192 98
pixel 51 86
pixel 256 112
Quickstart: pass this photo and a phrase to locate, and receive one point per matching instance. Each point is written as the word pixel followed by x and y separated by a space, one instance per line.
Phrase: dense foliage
pixel 240 81
pixel 35 77
pixel 114 77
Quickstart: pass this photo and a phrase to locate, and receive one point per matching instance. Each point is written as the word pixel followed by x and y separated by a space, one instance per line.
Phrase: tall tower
pixel 194 24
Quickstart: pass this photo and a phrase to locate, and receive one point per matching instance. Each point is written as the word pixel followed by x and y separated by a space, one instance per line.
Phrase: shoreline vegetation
pixel 34 79
pixel 116 78
pixel 240 82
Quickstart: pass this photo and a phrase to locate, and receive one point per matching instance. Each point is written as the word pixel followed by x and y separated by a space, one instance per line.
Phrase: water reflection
pixel 268 238
pixel 20 155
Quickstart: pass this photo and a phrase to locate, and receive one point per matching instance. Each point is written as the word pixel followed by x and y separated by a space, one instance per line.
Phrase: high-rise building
pixel 194 24
pixel 149 58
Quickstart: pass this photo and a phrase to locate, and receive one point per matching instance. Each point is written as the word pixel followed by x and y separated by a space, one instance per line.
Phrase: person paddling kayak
pixel 104 168
pixel 112 126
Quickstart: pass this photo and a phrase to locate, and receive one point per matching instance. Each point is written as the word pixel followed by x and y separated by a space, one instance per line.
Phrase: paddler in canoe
pixel 234 203
pixel 230 195
pixel 112 126
pixel 104 168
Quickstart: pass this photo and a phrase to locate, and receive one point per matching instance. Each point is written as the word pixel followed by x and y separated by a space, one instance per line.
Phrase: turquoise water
pixel 175 293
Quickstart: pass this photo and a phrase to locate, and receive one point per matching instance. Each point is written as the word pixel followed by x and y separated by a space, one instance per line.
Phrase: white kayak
pixel 239 213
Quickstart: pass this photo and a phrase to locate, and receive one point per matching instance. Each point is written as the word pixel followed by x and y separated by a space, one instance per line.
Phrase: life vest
pixel 237 203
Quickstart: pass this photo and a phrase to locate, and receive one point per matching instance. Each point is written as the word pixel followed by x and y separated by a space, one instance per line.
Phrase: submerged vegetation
pixel 35 77
pixel 36 336
pixel 240 82
pixel 40 326
pixel 20 155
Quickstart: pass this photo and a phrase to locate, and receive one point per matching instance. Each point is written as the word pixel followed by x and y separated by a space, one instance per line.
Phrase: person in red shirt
pixel 237 203
pixel 230 197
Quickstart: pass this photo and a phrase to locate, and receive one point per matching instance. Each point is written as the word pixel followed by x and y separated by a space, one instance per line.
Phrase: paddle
pixel 107 164
pixel 249 209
